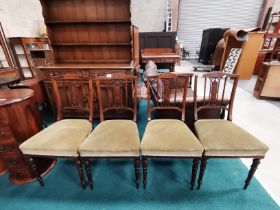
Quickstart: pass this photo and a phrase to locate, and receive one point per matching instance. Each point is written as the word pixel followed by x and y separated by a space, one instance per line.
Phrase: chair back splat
pixel 119 89
pixel 73 94
pixel 217 93
pixel 170 92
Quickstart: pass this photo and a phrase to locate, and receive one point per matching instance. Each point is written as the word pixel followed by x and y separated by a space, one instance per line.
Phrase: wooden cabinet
pixel 90 38
pixel 248 57
pixel 89 31
pixel 30 52
pixel 267 84
pixel 19 121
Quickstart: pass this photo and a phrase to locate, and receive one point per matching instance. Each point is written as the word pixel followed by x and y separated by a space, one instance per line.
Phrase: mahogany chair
pixel 222 138
pixel 169 138
pixel 62 139
pixel 114 138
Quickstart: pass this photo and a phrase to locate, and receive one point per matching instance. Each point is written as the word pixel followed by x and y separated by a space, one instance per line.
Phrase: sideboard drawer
pixel 20 173
pixel 7 147
pixel 5 133
pixel 13 159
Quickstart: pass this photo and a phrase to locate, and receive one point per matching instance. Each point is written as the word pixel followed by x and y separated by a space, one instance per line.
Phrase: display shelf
pixel 91 44
pixel 21 48
pixel 85 21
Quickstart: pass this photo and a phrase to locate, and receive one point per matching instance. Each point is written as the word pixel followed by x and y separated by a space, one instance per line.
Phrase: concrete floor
pixel 262 119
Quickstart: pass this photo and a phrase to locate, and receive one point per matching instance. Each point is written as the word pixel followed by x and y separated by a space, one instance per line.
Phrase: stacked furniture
pixel 18 106
pixel 210 38
pixel 90 37
pixel 267 84
pixel 270 48
pixel 267 66
pixel 26 50
pixel 250 49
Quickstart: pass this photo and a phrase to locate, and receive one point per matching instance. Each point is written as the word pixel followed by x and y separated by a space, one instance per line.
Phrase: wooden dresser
pixel 90 38
pixel 19 121
pixel 87 33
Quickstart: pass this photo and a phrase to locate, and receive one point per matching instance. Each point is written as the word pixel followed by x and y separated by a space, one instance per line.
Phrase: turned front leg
pixel 137 170
pixel 201 171
pixel 194 171
pixel 88 172
pixel 80 172
pixel 35 171
pixel 145 168
pixel 252 171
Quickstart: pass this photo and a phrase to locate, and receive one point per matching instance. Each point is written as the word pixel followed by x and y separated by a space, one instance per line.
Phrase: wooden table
pixel 6 81
pixel 19 121
pixel 160 56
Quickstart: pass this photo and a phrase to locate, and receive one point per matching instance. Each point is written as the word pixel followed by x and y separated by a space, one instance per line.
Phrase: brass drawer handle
pixel 2 133
pixel 5 148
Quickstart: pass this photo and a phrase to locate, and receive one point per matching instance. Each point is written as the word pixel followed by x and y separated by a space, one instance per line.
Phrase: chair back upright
pixel 169 92
pixel 73 93
pixel 118 89
pixel 217 94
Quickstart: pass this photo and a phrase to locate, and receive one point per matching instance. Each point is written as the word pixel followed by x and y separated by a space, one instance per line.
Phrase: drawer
pixel 7 147
pixel 5 133
pixel 13 159
pixel 20 173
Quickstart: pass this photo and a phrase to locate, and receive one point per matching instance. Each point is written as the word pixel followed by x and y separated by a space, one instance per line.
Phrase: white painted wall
pixel 148 15
pixel 276 6
pixel 21 18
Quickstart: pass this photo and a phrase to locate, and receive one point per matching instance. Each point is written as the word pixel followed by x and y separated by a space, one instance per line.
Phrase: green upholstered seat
pixel 170 137
pixel 62 138
pixel 112 138
pixel 224 138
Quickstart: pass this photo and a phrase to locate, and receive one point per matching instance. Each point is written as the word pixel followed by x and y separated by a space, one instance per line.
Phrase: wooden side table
pixel 19 121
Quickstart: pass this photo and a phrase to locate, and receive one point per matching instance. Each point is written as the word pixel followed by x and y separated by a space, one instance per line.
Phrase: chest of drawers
pixel 19 121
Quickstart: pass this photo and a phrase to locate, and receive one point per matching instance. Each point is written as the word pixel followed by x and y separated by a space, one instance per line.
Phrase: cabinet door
pixel 6 62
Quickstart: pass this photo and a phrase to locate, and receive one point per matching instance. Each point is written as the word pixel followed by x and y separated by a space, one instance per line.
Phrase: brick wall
pixel 175 14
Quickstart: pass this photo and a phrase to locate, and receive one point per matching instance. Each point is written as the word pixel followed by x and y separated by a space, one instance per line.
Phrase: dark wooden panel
pixel 91 33
pixel 157 40
pixel 92 54
pixel 87 10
